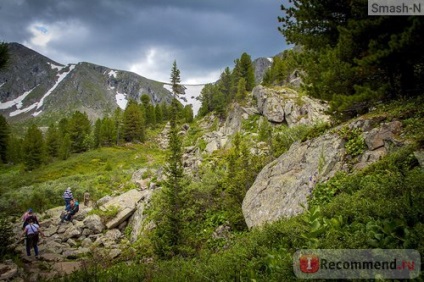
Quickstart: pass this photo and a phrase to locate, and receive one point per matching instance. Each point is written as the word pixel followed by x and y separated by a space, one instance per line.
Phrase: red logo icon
pixel 309 263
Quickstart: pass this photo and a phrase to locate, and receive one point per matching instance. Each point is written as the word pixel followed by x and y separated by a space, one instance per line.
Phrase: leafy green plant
pixel 355 143
pixel 325 192
pixel 387 233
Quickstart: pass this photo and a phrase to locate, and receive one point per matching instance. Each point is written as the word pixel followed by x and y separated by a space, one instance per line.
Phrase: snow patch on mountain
pixel 113 73
pixel 61 77
pixel 121 100
pixel 15 102
pixel 192 92
pixel 57 67
pixel 39 104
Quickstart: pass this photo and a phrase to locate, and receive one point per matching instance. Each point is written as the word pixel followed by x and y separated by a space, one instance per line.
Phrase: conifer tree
pixel 97 133
pixel 52 141
pixel 168 231
pixel 246 71
pixel 165 111
pixel 158 113
pixel 33 148
pixel 65 147
pixel 241 89
pixel 133 123
pixel 151 115
pixel 352 59
pixel 107 132
pixel 14 149
pixel 4 137
pixel 79 128
pixel 4 55
pixel 226 85
pixel 117 119
pixel 237 181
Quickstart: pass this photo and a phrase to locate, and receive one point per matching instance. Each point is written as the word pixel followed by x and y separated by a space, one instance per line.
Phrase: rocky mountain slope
pixel 34 86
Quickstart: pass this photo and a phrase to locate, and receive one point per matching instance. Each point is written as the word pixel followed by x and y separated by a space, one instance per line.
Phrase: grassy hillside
pixel 103 171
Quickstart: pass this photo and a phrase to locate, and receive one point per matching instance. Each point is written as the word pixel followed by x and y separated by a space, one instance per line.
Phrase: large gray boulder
pixel 286 105
pixel 283 186
pixel 94 223
pixel 126 204
pixel 137 220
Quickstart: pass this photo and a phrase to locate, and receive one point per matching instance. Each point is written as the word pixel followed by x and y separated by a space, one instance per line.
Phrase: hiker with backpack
pixel 31 233
pixel 29 214
pixel 67 196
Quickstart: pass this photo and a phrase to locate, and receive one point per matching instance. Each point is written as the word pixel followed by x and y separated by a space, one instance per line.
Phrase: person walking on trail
pixel 29 214
pixel 67 196
pixel 31 233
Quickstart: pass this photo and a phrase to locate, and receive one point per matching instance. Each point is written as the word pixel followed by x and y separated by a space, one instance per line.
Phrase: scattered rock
pixel 8 270
pixel 94 223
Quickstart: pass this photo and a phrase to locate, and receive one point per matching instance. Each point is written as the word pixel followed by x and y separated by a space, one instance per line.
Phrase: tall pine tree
pixel 168 231
pixel 79 128
pixel 33 148
pixel 352 59
pixel 4 138
pixel 52 141
pixel 133 123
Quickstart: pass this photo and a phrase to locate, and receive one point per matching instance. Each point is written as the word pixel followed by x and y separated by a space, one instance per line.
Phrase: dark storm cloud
pixel 146 35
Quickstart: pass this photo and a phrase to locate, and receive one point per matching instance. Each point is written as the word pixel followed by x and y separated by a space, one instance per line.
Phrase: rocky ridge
pixel 67 245
pixel 36 86
pixel 283 186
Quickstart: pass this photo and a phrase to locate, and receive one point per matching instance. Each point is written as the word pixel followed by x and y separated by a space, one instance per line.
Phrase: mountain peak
pixel 33 85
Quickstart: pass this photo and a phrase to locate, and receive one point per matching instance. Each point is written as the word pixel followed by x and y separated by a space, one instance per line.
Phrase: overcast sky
pixel 146 36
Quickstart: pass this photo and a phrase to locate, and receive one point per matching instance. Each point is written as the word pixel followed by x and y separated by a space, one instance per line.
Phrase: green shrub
pixel 6 238
pixel 355 142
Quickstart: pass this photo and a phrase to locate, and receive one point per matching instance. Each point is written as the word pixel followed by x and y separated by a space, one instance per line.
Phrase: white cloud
pixel 44 35
pixel 40 35
pixel 155 64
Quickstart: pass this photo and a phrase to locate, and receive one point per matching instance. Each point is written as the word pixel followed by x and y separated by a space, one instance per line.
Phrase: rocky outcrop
pixel 288 106
pixel 260 66
pixel 66 244
pixel 126 205
pixel 283 186
pixel 138 220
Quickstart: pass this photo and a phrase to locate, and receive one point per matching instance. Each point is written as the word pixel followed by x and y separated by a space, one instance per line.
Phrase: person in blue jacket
pixel 67 196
